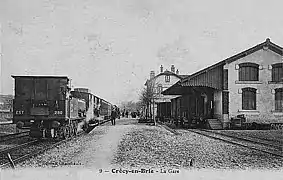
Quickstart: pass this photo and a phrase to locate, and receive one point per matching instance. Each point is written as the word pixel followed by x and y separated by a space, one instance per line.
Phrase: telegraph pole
pixel 1 54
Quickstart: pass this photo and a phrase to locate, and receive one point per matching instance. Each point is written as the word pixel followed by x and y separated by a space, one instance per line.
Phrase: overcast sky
pixel 110 46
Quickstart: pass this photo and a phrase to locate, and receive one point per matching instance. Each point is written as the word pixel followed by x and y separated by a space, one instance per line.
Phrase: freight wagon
pixel 46 105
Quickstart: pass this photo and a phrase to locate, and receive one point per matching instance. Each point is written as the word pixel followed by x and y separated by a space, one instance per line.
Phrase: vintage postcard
pixel 141 89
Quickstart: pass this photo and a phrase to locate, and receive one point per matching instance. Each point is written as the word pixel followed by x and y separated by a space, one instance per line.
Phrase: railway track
pixel 257 144
pixel 4 161
pixel 251 143
pixel 22 152
pixel 253 140
pixel 13 136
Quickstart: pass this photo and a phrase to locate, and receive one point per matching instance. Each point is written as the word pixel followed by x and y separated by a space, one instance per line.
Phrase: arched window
pixel 249 99
pixel 248 72
pixel 277 72
pixel 279 99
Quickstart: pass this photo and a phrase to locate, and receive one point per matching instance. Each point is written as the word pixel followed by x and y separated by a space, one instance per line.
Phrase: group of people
pixel 133 114
pixel 125 114
pixel 115 113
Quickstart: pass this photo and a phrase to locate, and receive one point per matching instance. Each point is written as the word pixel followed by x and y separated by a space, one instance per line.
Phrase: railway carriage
pixel 97 108
pixel 105 109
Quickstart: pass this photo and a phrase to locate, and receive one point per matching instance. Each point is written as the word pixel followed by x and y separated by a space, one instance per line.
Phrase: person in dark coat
pixel 113 116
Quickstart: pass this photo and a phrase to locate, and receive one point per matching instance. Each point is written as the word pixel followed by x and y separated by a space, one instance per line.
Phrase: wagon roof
pixel 59 77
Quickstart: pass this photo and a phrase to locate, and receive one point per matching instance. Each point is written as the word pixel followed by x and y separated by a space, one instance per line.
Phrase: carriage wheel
pixel 76 128
pixel 64 133
pixel 71 127
pixel 68 131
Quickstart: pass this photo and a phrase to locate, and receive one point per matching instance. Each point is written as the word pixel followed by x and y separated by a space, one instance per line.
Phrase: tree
pixel 147 99
pixel 129 106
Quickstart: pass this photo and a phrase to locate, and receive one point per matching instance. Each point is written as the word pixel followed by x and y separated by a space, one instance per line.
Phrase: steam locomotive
pixel 47 106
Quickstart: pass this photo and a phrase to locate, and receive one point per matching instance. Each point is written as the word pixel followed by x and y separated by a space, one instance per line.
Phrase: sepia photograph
pixel 141 89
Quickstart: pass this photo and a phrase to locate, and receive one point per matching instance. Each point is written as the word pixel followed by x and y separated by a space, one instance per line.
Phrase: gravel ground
pixel 270 135
pixel 93 150
pixel 133 145
pixel 149 146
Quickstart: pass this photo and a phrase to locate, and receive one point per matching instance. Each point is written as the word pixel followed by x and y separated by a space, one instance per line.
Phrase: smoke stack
pixel 173 69
pixel 177 72
pixel 152 74
pixel 161 69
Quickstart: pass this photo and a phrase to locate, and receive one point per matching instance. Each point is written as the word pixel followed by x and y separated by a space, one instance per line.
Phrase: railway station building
pixel 161 105
pixel 249 83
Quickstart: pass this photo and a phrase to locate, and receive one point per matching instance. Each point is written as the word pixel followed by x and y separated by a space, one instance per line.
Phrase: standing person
pixel 127 113
pixel 113 116
pixel 123 113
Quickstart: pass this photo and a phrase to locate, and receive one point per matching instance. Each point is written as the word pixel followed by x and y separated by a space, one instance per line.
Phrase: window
pixel 277 72
pixel 167 78
pixel 248 72
pixel 249 99
pixel 279 99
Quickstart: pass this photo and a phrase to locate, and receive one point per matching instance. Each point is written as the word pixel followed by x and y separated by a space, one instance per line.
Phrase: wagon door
pixel 40 89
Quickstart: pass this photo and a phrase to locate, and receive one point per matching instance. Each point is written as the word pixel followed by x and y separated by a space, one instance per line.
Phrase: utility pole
pixel 154 120
pixel 1 54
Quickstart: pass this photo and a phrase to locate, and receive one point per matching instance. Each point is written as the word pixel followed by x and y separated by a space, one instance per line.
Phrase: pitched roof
pixel 273 47
pixel 184 76
pixel 170 73
pixel 166 72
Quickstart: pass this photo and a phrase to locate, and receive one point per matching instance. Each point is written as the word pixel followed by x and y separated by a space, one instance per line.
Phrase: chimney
pixel 161 69
pixel 152 74
pixel 173 69
pixel 177 72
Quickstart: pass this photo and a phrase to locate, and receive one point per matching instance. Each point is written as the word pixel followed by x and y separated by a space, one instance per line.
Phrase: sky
pixel 110 46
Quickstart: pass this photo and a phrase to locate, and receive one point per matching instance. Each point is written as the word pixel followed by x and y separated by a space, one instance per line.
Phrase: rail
pixel 254 145
pixel 13 136
pixel 20 153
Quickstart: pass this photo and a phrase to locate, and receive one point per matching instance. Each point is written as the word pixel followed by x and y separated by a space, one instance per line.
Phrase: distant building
pixel 249 83
pixel 6 106
pixel 160 82
pixel 6 102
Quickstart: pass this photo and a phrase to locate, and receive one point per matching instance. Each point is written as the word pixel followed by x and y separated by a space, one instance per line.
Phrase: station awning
pixel 165 99
pixel 176 89
pixel 179 89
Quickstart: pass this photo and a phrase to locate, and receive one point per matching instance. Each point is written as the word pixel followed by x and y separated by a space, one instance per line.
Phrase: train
pixel 48 107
